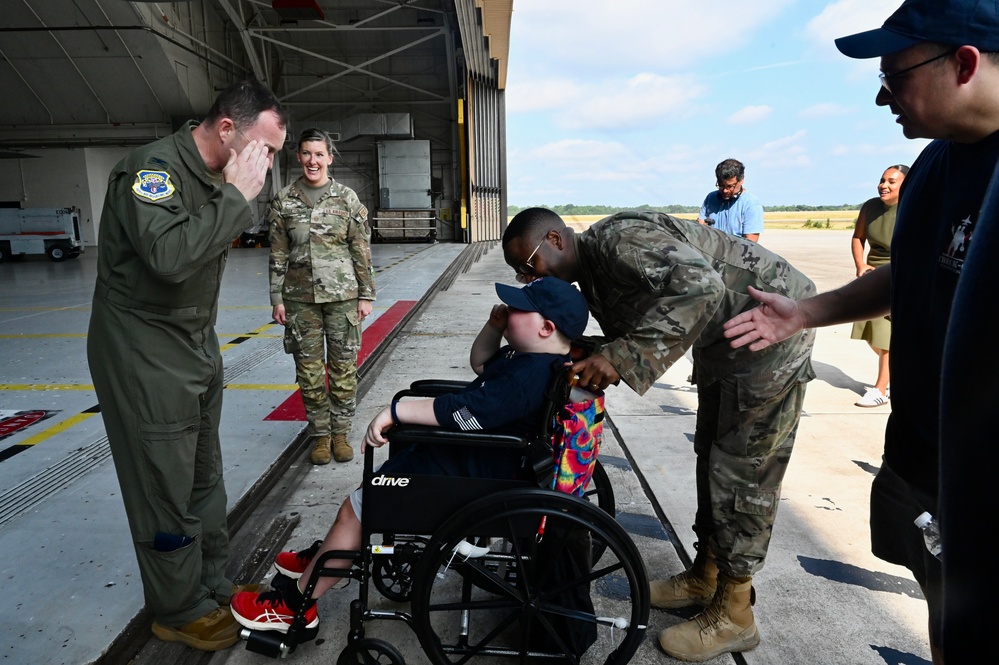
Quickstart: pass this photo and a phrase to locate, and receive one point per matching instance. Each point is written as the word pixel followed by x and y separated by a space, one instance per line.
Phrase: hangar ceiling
pixel 99 72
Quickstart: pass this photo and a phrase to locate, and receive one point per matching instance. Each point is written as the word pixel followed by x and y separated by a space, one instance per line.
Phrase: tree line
pixel 571 209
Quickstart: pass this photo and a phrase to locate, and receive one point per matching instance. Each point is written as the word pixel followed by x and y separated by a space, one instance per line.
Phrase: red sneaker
pixel 268 611
pixel 293 563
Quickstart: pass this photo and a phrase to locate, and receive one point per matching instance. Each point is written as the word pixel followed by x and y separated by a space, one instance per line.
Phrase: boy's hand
pixel 499 317
pixel 375 436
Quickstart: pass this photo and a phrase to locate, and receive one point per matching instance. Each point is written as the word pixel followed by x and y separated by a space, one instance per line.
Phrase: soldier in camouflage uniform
pixel 322 287
pixel 659 285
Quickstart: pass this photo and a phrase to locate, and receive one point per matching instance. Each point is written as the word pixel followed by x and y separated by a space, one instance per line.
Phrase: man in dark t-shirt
pixel 940 77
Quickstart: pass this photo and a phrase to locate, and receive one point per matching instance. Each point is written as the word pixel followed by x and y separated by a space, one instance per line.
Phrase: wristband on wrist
pixel 395 416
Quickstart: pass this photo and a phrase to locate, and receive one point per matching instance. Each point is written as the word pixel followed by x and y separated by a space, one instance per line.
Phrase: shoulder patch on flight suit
pixel 153 185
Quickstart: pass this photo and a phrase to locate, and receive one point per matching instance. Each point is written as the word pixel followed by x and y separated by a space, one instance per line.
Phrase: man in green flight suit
pixel 171 212
pixel 659 285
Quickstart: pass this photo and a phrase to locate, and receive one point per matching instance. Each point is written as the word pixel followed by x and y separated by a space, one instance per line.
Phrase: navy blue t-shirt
pixel 938 208
pixel 507 396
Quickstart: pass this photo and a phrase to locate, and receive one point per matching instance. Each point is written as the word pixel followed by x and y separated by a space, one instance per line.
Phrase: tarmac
pixel 69 571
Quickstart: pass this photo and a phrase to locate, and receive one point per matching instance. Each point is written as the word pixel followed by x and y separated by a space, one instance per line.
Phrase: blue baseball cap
pixel 948 22
pixel 556 300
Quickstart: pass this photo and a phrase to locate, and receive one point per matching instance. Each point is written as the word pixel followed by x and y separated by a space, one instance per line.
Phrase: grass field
pixel 816 219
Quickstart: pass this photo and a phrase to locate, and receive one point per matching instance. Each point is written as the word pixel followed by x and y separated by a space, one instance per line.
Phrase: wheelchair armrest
pixel 410 434
pixel 431 388
pixel 450 385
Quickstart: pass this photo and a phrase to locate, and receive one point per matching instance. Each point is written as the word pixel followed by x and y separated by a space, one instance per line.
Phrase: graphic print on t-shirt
pixel 953 255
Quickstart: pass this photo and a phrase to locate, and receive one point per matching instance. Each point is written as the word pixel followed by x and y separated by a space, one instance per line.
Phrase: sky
pixel 631 102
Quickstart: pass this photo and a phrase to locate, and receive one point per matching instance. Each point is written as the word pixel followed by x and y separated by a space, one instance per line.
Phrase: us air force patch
pixel 153 185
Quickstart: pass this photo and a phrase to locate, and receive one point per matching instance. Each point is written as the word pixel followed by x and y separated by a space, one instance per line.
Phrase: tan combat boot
pixel 342 452
pixel 725 626
pixel 321 450
pixel 215 631
pixel 694 586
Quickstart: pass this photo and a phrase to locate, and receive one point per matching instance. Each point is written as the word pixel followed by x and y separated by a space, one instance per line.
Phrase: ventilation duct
pixel 298 10
pixel 382 125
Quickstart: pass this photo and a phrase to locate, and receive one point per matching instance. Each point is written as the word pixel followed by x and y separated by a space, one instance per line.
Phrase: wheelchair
pixel 493 570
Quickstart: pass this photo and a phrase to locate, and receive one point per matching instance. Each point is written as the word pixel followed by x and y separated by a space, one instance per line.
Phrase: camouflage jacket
pixel 659 285
pixel 320 254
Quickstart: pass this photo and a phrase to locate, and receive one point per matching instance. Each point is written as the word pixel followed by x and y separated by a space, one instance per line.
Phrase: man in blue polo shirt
pixel 732 209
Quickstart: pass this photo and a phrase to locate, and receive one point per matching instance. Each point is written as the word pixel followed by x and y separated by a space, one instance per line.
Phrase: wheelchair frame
pixel 479 551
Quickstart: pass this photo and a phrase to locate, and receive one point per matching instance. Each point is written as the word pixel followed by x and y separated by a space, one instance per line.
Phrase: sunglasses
pixel 526 269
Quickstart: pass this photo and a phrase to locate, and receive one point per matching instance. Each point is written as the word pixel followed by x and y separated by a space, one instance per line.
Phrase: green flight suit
pixel 155 361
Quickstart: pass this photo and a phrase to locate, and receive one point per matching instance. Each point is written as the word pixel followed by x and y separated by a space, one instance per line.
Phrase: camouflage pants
pixel 746 424
pixel 331 331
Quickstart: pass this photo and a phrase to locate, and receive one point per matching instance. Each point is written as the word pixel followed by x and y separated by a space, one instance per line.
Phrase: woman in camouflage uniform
pixel 322 287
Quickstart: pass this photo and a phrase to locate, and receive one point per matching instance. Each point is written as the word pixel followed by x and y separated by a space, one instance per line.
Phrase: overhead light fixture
pixel 298 10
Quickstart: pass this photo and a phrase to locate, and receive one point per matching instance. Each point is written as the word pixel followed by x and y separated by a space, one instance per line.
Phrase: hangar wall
pixel 136 71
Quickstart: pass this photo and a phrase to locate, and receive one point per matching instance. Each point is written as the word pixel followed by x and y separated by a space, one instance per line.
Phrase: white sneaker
pixel 872 397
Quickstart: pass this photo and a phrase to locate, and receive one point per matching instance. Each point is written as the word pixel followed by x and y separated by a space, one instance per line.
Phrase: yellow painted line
pixel 44 309
pixel 232 386
pixel 83 335
pixel 42 335
pixel 254 335
pixel 56 429
pixel 261 386
pixel 73 420
pixel 45 386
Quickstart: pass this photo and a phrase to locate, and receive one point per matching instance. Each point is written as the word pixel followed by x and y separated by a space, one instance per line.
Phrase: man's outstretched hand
pixel 777 318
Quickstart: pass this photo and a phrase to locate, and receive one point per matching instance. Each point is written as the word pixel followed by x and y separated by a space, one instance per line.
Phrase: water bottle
pixel 931 533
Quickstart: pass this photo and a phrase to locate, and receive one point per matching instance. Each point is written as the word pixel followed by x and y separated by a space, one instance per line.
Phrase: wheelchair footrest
pixel 276 644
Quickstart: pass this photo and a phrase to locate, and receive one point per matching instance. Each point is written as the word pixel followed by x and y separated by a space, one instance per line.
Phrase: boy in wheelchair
pixel 539 321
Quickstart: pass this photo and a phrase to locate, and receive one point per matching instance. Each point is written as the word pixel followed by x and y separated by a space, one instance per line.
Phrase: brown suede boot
pixel 212 632
pixel 342 452
pixel 321 450
pixel 694 586
pixel 725 626
pixel 239 588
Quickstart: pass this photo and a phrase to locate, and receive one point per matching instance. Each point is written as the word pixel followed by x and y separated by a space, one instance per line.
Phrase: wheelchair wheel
pixel 559 604
pixel 600 492
pixel 370 651
pixel 393 575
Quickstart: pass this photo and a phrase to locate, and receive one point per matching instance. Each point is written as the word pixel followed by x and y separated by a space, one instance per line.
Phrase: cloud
pixel 576 150
pixel 894 151
pixel 635 35
pixel 607 104
pixel 846 17
pixel 826 110
pixel 749 115
pixel 541 94
pixel 640 101
pixel 783 153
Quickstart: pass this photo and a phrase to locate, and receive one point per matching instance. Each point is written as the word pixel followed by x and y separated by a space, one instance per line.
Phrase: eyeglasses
pixel 885 78
pixel 240 132
pixel 525 269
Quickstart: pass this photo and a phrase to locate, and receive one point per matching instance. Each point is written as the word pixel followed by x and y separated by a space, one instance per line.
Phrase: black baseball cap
pixel 556 300
pixel 948 22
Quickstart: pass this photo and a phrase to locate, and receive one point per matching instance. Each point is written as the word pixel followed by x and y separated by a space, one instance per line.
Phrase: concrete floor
pixel 822 598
